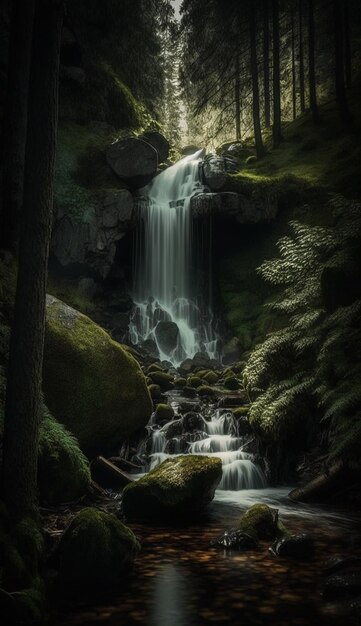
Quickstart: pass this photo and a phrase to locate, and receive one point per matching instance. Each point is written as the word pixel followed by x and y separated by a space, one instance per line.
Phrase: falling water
pixel 165 279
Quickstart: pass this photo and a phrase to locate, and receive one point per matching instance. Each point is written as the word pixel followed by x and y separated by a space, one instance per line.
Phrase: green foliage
pixel 306 378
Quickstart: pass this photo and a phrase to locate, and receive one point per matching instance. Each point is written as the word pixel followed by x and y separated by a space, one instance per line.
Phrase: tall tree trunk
pixel 23 396
pixel 347 40
pixel 266 72
pixel 255 87
pixel 237 96
pixel 15 120
pixel 301 58
pixel 311 61
pixel 339 62
pixel 293 44
pixel 277 132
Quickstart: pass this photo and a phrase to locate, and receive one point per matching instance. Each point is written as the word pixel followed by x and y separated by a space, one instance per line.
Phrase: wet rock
pixel 180 382
pixel 192 421
pixel 201 360
pixel 301 546
pixel 155 391
pixel 194 381
pixel 342 586
pixel 260 521
pixel 178 445
pixel 150 346
pixel 133 160
pixel 186 367
pixel 214 171
pixel 206 391
pixel 236 540
pixel 181 486
pixel 244 427
pixel 159 143
pixel 163 413
pixel 173 429
pixel 189 392
pixel 185 407
pixel 167 334
pixel 164 380
pixel 232 383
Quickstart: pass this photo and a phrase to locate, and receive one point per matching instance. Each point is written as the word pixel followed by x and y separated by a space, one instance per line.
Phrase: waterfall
pixel 165 278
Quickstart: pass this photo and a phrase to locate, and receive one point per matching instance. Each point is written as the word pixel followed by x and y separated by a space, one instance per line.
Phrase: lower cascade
pixel 173 315
pixel 219 438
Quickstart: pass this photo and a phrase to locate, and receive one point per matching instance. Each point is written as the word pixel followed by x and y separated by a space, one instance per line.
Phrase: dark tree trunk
pixel 23 397
pixel 339 62
pixel 277 132
pixel 293 44
pixel 15 121
pixel 347 40
pixel 311 61
pixel 255 88
pixel 237 96
pixel 301 58
pixel 266 72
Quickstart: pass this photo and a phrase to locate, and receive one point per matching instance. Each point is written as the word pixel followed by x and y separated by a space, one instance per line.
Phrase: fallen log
pixel 106 474
pixel 123 464
pixel 324 486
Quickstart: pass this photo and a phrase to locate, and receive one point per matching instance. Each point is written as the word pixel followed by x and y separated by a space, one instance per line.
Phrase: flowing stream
pixel 165 267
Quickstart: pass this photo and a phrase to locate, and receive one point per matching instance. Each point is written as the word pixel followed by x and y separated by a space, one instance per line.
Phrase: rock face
pixel 94 552
pixel 159 143
pixel 91 384
pixel 91 240
pixel 167 334
pixel 177 487
pixel 245 210
pixel 133 160
pixel 214 171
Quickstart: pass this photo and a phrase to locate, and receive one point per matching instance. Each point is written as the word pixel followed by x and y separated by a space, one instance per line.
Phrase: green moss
pixel 163 413
pixel 155 367
pixel 194 381
pixel 155 391
pixel 211 378
pixel 260 522
pixel 241 411
pixel 8 276
pixel 91 384
pixel 67 290
pixel 94 553
pixel 179 486
pixel 180 383
pixel 164 380
pixel 63 470
pixel 232 383
pixel 205 390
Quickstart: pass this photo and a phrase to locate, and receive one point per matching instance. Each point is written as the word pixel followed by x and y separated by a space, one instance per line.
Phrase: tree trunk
pixel 294 93
pixel 255 88
pixel 266 73
pixel 347 40
pixel 15 121
pixel 301 58
pixel 23 396
pixel 237 96
pixel 311 61
pixel 339 62
pixel 277 132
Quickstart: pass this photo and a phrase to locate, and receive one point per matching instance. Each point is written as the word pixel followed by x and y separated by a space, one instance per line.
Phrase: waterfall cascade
pixel 219 439
pixel 165 271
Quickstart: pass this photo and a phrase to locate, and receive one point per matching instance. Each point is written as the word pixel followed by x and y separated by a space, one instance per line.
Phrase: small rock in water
pixel 294 546
pixel 235 540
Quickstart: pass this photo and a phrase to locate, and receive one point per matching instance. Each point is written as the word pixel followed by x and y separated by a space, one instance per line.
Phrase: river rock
pixel 167 334
pixel 235 540
pixel 193 421
pixel 159 143
pixel 214 171
pixel 178 487
pixel 91 384
pixel 301 546
pixel 133 160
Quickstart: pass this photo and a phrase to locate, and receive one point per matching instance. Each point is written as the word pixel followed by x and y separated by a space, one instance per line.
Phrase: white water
pixel 165 288
pixel 239 470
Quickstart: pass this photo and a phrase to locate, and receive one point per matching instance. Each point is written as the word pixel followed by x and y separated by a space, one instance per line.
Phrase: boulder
pixel 214 171
pixel 178 487
pixel 94 552
pixel 167 334
pixel 164 380
pixel 133 160
pixel 91 384
pixel 235 540
pixel 163 413
pixel 159 143
pixel 260 522
pixel 301 546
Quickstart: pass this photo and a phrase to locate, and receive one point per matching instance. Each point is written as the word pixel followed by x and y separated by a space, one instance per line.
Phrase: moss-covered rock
pixel 241 411
pixel 164 380
pixel 261 522
pixel 94 552
pixel 63 470
pixel 180 383
pixel 155 391
pixel 91 384
pixel 177 487
pixel 232 383
pixel 211 378
pixel 163 413
pixel 194 381
pixel 205 391
pixel 155 367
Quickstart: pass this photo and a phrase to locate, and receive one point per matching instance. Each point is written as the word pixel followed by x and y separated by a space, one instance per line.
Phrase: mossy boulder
pixel 178 487
pixel 63 470
pixel 155 367
pixel 91 384
pixel 261 522
pixel 205 391
pixel 164 380
pixel 155 391
pixel 94 552
pixel 194 381
pixel 232 383
pixel 163 413
pixel 180 383
pixel 211 378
